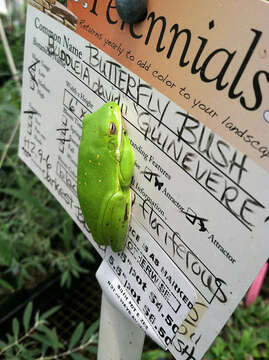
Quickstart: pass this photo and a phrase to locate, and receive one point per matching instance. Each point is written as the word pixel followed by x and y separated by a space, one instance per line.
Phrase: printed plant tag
pixel 199 188
pixel 210 59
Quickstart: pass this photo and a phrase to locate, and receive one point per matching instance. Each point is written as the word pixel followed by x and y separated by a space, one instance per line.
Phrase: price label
pixel 120 298
pixel 155 284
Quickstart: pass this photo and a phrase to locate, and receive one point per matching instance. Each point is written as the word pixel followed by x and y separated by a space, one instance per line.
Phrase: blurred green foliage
pixel 37 237
pixel 245 336
pixel 15 36
pixel 34 339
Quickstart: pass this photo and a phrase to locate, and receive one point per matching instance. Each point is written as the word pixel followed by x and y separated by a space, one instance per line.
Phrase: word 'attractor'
pixel 105 168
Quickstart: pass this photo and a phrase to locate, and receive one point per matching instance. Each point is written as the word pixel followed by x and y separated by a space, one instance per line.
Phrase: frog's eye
pixel 112 128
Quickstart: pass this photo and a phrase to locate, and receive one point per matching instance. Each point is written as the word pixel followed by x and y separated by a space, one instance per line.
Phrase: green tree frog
pixel 105 168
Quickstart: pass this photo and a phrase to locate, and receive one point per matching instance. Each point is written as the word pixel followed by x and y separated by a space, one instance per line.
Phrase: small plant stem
pixel 66 353
pixel 16 77
pixel 51 357
pixel 9 56
pixel 18 341
pixel 4 154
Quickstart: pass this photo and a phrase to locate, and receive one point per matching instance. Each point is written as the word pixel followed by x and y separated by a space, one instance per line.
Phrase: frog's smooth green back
pixel 99 168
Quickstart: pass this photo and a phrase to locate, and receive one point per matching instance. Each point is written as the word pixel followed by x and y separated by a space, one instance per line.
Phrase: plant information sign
pixel 193 86
pixel 3 7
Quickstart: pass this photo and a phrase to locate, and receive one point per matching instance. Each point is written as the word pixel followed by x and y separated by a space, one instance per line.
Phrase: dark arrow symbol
pixel 31 71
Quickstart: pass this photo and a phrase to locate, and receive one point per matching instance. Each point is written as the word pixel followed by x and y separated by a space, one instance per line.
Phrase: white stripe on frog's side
pixel 119 138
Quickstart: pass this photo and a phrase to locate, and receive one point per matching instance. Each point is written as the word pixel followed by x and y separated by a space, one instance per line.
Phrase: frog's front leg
pixel 116 219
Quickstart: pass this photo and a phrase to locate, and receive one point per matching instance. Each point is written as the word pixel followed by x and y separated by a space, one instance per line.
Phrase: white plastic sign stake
pixel 118 338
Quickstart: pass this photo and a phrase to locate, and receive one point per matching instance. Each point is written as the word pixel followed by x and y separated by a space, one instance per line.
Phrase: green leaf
pixel 25 193
pixel 154 354
pixel 78 357
pixel 27 316
pixel 43 327
pixel 67 234
pixel 29 353
pixel 85 254
pixel 5 252
pixel 6 285
pixel 10 339
pixel 64 278
pixel 42 339
pixel 90 331
pixel 50 312
pixel 76 335
pixel 92 349
pixel 2 344
pixel 37 317
pixel 52 334
pixel 44 349
pixel 15 327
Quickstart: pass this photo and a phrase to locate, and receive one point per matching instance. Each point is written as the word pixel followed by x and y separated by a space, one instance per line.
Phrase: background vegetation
pixel 37 239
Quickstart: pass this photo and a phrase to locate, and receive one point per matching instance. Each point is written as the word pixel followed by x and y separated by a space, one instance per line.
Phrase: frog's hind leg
pixel 116 220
